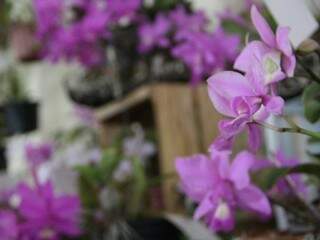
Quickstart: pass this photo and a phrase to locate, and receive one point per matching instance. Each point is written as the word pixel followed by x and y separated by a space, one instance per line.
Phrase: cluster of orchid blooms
pixel 186 37
pixel 35 211
pixel 247 97
pixel 79 30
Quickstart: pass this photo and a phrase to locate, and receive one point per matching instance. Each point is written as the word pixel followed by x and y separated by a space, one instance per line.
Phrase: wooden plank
pixel 177 132
pixel 208 117
pixel 114 108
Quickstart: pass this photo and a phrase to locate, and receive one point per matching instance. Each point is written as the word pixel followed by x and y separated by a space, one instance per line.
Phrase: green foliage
pixel 11 86
pixel 311 100
pixel 274 174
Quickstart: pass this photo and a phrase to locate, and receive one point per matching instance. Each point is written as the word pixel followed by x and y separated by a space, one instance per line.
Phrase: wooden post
pixel 177 131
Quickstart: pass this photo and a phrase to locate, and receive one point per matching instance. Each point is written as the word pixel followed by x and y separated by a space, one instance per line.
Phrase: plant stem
pixel 296 129
pixel 313 211
pixel 313 76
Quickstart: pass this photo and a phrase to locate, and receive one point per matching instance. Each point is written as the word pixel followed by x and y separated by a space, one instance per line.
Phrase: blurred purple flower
pixel 228 15
pixel 154 34
pixel 65 36
pixel 38 154
pixel 137 146
pixel 296 180
pixel 123 11
pixel 195 51
pixel 8 225
pixel 46 216
pixel 188 22
pixel 123 171
pixel 86 115
pixel 220 188
pixel 205 53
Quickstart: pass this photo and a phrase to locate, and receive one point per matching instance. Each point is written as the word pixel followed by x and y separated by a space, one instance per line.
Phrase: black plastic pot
pixel 20 117
pixel 3 159
pixel 154 229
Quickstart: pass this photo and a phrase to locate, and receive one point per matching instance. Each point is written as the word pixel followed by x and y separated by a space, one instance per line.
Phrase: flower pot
pixel 3 159
pixel 92 91
pixel 20 117
pixel 23 42
pixel 154 229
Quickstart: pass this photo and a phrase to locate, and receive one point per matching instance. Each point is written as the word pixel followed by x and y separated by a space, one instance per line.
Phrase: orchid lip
pixel 223 211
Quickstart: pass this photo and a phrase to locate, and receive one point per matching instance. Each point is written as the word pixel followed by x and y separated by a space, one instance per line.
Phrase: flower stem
pixel 313 76
pixel 296 129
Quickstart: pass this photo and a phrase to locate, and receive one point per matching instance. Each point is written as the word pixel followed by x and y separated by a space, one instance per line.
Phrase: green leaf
pixel 110 161
pixel 274 174
pixel 311 100
pixel 139 186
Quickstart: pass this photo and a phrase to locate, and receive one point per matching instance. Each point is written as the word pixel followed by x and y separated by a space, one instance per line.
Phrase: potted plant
pixel 20 114
pixel 114 193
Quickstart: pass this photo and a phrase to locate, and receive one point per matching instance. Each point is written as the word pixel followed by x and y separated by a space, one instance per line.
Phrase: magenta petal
pixel 254 136
pixel 282 36
pixel 206 206
pixel 239 171
pixel 223 225
pixel 198 175
pixel 224 86
pixel 248 55
pixel 275 105
pixel 230 128
pixel 253 199
pixel 289 65
pixel 263 27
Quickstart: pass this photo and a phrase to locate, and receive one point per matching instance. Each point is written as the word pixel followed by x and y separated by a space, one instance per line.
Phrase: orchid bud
pixel 308 46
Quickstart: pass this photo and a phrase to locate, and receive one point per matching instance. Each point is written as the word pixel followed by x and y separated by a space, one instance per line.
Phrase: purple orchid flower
pixel 273 56
pixel 38 154
pixel 245 99
pixel 123 11
pixel 69 38
pixel 195 51
pixel 46 216
pixel 220 188
pixel 154 35
pixel 296 181
pixel 137 146
pixel 187 22
pixel 8 225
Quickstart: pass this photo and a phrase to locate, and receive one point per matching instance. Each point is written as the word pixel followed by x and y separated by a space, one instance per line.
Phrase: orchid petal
pixel 223 219
pixel 289 65
pixel 255 136
pixel 252 52
pixel 230 128
pixel 263 27
pixel 198 175
pixel 275 105
pixel 205 207
pixel 253 199
pixel 239 170
pixel 224 86
pixel 282 36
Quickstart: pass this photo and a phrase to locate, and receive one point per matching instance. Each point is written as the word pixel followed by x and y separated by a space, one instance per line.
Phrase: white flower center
pixel 15 201
pixel 271 65
pixel 46 233
pixel 223 211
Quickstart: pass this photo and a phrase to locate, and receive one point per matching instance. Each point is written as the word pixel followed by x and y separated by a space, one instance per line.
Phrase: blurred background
pixel 104 95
